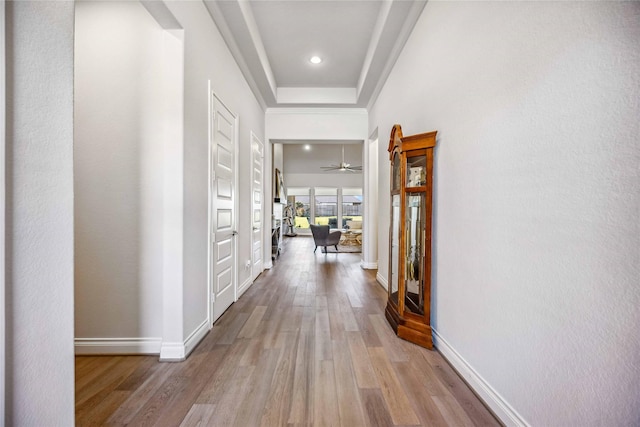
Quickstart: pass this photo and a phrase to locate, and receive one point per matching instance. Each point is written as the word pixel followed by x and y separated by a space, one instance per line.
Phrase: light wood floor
pixel 307 344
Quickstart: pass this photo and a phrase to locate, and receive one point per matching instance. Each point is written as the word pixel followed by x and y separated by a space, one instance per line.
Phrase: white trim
pixel 87 346
pixel 368 265
pixel 209 202
pixel 178 351
pixel 491 397
pixel 370 193
pixel 172 352
pixel 255 140
pixel 382 281
pixel 269 264
pixel 236 199
pixel 243 288
pixel 196 336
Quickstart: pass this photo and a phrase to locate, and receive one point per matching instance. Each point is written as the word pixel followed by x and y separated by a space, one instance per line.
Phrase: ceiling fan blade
pixel 343 166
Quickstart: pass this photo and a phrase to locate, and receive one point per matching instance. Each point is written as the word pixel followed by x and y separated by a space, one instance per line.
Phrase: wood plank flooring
pixel 307 344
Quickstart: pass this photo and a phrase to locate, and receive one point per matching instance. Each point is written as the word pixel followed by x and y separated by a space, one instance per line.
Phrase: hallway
pixel 307 344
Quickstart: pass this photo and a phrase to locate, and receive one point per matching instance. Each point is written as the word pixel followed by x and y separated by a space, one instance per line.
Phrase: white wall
pixel 302 168
pixel 537 195
pixel 119 169
pixel 118 174
pixel 207 58
pixel 320 124
pixel 39 228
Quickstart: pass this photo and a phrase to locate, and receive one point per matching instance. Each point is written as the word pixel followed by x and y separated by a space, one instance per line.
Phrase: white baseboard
pixel 177 351
pixel 97 346
pixel 268 265
pixel 172 352
pixel 498 405
pixel 196 336
pixel 382 281
pixel 243 288
pixel 369 265
pixel 168 351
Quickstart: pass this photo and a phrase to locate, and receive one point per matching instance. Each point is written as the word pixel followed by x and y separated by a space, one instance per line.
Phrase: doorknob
pixel 256 228
pixel 234 232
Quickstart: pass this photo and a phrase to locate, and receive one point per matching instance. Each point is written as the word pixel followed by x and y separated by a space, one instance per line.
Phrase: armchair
pixel 322 236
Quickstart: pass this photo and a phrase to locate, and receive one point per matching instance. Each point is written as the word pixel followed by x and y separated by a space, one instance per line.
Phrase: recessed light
pixel 307 147
pixel 315 60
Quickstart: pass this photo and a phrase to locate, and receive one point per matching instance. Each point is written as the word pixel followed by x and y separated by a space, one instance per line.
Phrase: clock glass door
pixel 395 247
pixel 414 253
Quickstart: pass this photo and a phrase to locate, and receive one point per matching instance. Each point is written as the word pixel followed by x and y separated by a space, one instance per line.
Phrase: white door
pixel 257 155
pixel 222 210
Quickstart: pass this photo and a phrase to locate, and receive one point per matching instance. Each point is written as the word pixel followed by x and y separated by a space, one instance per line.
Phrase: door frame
pixel 370 215
pixel 213 97
pixel 254 138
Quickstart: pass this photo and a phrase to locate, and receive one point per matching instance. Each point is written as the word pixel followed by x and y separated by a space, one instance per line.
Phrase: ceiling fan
pixel 343 167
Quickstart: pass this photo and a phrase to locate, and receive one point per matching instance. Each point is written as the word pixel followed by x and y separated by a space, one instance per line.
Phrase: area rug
pixel 353 249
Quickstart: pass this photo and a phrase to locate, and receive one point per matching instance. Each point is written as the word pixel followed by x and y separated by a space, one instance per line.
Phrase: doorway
pixel 257 167
pixel 222 209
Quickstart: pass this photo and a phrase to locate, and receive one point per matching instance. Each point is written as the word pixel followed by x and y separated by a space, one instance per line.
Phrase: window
pixel 298 198
pixel 351 205
pixel 326 206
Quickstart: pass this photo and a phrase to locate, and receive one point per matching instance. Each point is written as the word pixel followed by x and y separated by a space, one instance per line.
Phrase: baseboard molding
pixel 491 398
pixel 168 351
pixel 177 351
pixel 246 285
pixel 98 346
pixel 196 336
pixel 382 281
pixel 172 352
pixel 369 265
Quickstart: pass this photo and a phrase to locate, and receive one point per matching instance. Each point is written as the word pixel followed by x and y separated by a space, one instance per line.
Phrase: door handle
pixel 256 228
pixel 234 232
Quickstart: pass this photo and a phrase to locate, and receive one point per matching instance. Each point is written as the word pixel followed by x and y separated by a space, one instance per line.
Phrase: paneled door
pixel 257 164
pixel 223 268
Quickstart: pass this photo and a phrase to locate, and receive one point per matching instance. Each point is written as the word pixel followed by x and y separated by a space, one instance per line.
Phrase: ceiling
pixel 273 40
pixel 297 159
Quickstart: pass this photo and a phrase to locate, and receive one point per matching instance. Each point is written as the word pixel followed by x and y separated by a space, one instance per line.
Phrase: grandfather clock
pixel 409 300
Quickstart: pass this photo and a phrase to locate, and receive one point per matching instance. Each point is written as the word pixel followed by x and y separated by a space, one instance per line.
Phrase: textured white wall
pixel 537 196
pixel 118 171
pixel 39 300
pixel 207 58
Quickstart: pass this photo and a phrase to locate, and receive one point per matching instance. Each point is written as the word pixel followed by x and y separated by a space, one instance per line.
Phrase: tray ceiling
pixel 358 41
